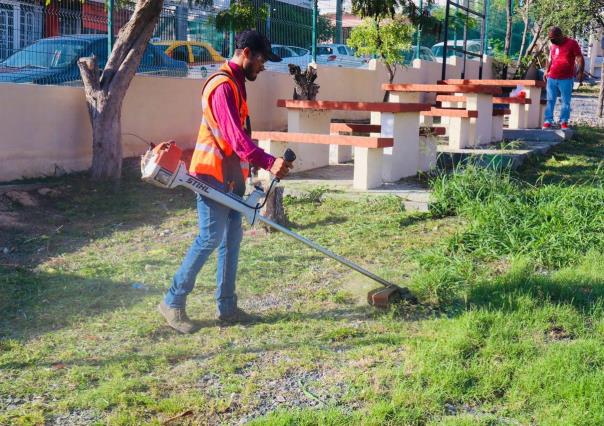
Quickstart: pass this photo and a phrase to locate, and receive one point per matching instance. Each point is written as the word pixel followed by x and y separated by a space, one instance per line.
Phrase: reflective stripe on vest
pixel 211 147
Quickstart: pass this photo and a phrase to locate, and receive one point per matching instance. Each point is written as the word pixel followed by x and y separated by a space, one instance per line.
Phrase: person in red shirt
pixel 564 56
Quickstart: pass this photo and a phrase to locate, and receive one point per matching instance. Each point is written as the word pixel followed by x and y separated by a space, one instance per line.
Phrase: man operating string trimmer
pixel 222 155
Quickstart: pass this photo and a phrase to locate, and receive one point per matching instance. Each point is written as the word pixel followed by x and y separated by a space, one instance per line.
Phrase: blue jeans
pixel 555 88
pixel 219 227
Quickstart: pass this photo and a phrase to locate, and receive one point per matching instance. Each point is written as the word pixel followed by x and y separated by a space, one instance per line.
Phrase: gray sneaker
pixel 176 318
pixel 239 316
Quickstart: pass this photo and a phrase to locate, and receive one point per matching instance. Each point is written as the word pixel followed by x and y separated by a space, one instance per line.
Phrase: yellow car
pixel 200 56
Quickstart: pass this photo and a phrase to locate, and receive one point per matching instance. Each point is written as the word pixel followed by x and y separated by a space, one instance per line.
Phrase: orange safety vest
pixel 213 155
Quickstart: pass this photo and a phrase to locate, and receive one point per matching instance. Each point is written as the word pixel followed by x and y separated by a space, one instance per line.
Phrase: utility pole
pixel 419 28
pixel 339 21
pixel 315 14
pixel 109 28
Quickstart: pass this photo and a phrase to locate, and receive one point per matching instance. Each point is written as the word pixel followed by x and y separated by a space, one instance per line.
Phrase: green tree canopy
pixel 387 40
pixel 241 15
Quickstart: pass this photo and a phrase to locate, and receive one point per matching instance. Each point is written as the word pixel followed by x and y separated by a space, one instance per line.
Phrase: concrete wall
pixel 45 130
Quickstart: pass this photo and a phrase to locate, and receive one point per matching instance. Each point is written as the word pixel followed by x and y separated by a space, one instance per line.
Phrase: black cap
pixel 257 44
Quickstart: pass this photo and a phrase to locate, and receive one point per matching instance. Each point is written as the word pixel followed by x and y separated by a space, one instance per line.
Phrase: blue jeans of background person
pixel 219 227
pixel 555 88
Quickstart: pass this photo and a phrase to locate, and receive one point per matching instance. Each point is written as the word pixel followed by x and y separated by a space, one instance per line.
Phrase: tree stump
pixel 305 87
pixel 273 209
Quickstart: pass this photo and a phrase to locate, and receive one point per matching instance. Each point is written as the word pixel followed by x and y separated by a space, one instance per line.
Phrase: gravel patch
pixel 72 418
pixel 583 110
pixel 295 389
pixel 75 418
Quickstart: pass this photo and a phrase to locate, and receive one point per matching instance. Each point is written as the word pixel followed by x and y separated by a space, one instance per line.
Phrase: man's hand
pixel 545 77
pixel 280 168
pixel 580 76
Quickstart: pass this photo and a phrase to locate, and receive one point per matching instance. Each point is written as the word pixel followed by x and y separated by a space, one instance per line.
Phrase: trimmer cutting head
pixel 385 297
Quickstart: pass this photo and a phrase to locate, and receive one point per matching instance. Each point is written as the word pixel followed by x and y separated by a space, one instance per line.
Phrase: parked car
pixel 290 55
pixel 53 60
pixel 339 55
pixel 200 56
pixel 425 54
pixel 473 46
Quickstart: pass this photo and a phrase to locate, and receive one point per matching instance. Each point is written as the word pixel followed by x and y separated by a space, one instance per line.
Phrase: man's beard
pixel 249 73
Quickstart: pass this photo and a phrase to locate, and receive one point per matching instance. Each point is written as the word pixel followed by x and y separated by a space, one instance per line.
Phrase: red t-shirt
pixel 562 59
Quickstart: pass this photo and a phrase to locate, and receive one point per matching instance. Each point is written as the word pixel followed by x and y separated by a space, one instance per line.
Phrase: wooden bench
pixel 337 128
pixel 497 100
pixel 352 106
pixel 517 109
pixel 443 88
pixel 498 115
pixel 532 111
pixel 399 121
pixel 465 128
pixel 495 82
pixel 427 143
pixel 368 151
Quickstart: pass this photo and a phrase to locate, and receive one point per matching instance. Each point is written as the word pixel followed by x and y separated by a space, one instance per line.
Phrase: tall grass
pixel 554 225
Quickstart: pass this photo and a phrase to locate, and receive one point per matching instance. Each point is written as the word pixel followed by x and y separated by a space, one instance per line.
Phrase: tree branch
pixel 90 77
pixel 130 45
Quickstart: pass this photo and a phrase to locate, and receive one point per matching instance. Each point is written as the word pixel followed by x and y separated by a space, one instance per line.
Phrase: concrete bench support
pixel 309 156
pixel 367 168
pixel 459 125
pixel 401 160
pixel 518 116
pixel 481 126
pixel 497 130
pixel 427 153
pixel 533 110
pixel 339 154
pixel 368 152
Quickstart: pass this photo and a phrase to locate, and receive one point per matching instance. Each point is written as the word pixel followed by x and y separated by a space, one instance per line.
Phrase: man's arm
pixel 580 61
pixel 224 106
pixel 581 68
pixel 548 64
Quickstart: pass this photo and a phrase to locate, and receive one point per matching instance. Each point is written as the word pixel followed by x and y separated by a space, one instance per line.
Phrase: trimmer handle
pixel 289 155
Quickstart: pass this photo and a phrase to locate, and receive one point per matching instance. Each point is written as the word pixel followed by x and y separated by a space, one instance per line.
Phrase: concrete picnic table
pixel 399 121
pixel 532 110
pixel 469 126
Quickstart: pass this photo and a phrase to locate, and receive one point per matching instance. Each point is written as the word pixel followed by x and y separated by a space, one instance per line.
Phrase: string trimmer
pixel 163 167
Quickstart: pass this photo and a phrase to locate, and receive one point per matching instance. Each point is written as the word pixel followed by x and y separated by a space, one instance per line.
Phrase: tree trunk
pixel 508 27
pixel 525 18
pixel 391 71
pixel 537 28
pixel 305 87
pixel 508 34
pixel 274 209
pixel 106 146
pixel 105 95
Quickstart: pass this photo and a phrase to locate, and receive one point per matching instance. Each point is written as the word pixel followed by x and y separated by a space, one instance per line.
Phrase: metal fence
pixel 41 40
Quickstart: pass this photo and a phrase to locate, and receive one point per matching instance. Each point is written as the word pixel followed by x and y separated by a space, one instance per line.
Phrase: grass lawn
pixel 510 329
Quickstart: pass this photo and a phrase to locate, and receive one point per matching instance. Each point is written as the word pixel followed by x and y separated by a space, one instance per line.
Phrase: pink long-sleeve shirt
pixel 224 106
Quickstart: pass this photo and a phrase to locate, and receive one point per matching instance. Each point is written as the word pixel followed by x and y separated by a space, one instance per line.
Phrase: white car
pixel 339 55
pixel 290 55
pixel 472 46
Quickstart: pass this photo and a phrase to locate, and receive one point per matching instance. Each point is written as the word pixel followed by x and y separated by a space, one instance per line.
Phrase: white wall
pixel 44 129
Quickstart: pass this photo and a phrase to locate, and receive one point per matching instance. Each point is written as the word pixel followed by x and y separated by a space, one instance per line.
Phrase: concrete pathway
pixel 338 180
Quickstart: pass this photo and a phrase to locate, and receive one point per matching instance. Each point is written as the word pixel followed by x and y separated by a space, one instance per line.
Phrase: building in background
pixel 21 24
